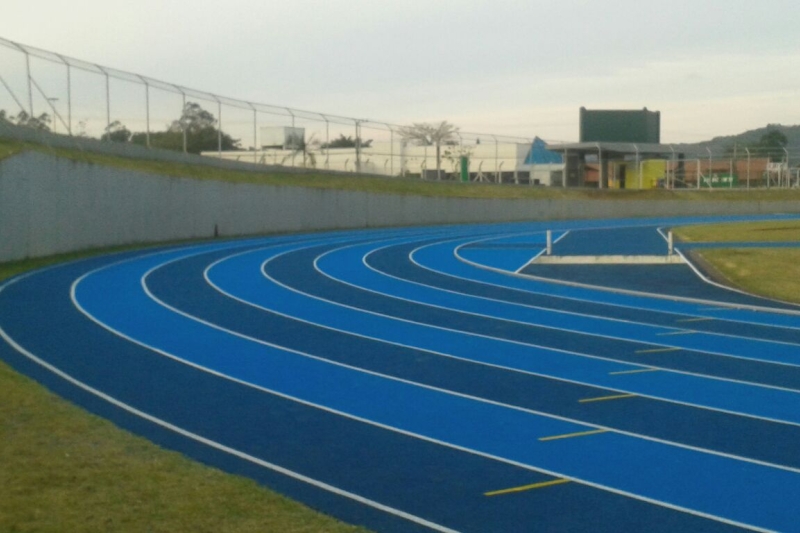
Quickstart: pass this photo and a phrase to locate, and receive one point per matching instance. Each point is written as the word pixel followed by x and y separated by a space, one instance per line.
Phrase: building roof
pixel 612 149
pixel 540 155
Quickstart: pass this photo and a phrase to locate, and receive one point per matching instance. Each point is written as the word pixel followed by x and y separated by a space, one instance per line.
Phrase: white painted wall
pixel 50 205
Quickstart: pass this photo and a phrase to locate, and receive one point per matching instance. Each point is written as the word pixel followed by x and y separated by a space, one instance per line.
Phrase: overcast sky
pixel 712 67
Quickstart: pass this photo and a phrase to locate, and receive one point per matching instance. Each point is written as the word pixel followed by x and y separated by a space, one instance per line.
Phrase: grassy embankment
pixel 770 272
pixel 63 469
pixel 394 185
pixel 66 470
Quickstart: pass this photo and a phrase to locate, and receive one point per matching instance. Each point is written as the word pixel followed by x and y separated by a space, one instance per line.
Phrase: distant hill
pixel 719 145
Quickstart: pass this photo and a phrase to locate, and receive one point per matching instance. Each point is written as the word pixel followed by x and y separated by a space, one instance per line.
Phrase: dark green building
pixel 625 126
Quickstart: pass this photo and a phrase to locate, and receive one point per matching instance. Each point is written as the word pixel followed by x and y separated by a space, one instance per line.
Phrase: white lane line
pixel 555 378
pixel 688 313
pixel 596 288
pixel 490 456
pixel 557 311
pixel 671 331
pixel 611 490
pixel 221 447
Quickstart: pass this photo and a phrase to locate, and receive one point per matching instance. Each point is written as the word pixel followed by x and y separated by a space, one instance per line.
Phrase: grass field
pixel 404 186
pixel 770 272
pixel 66 470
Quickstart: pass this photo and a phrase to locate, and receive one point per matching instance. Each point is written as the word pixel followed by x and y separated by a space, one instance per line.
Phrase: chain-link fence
pixel 63 95
pixel 79 100
pixel 682 167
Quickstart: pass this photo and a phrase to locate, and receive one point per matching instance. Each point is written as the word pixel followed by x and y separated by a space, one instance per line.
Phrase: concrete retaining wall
pixel 50 205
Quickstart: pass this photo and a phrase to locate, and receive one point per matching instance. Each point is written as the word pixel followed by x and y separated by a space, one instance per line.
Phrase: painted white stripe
pixel 371 422
pixel 616 338
pixel 441 354
pixel 221 447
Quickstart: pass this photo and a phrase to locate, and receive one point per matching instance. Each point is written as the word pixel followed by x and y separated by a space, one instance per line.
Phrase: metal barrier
pixel 85 100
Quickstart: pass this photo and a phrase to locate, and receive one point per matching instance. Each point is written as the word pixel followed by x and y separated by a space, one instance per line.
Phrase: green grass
pixel 9 147
pixel 387 185
pixel 763 231
pixel 770 272
pixel 63 469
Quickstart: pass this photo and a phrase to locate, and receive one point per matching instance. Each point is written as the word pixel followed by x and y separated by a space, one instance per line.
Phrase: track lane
pixel 321 321
pixel 333 387
pixel 504 523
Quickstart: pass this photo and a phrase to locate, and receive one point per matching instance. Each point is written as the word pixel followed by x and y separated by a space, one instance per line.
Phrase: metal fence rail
pixel 86 99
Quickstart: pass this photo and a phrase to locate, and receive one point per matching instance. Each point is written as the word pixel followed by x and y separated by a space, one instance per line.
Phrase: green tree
pixel 425 134
pixel 772 144
pixel 116 132
pixel 346 142
pixel 201 130
pixel 41 123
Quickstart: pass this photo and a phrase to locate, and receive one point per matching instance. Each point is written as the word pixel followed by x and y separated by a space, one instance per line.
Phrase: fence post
pixel 358 145
pixel 181 121
pixel 674 168
pixel 147 109
pixel 698 173
pixel 327 141
pixel 601 169
pixel 69 93
pixel 787 167
pixel 746 149
pixel 28 73
pixel 294 152
pixel 255 132
pixel 219 129
pixel 108 100
pixel 391 150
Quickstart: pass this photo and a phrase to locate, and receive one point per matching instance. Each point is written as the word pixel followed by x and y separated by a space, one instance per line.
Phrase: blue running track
pixel 432 379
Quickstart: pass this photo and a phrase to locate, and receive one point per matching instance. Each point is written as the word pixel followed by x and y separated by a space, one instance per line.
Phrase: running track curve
pixel 427 380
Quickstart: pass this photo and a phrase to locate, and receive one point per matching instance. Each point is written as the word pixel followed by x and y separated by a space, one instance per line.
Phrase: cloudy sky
pixel 712 67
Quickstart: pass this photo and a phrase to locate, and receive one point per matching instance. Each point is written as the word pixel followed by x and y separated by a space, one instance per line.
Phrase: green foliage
pixel 346 142
pixel 201 130
pixel 771 144
pixel 425 134
pixel 42 122
pixel 116 132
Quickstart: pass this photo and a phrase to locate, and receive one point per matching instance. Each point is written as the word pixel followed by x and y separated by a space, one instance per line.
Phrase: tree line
pixel 195 123
pixel 196 131
pixel 771 145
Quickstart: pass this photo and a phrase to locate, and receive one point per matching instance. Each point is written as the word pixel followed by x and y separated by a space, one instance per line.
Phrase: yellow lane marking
pixel 698 319
pixel 527 487
pixel 681 332
pixel 605 398
pixel 571 435
pixel 659 350
pixel 637 371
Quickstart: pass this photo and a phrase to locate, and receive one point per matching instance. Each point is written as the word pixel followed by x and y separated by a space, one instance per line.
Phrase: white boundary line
pixel 610 337
pixel 617 291
pixel 265 464
pixel 573 353
pixel 541 413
